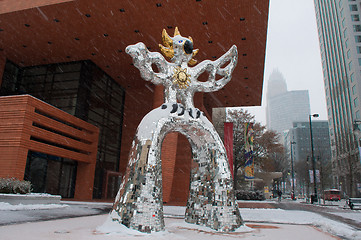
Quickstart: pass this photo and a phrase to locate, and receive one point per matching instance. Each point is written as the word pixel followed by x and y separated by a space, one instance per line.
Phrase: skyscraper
pixel 285 107
pixel 300 134
pixel 299 138
pixel 339 31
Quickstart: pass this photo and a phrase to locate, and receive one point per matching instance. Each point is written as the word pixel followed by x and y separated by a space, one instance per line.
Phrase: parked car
pixel 332 195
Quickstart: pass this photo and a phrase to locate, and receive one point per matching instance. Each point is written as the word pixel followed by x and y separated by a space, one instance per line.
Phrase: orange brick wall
pixel 134 111
pixel 10 161
pixel 12 137
pixel 7 6
pixel 180 187
pixel 169 149
pixel 17 115
pixel 169 153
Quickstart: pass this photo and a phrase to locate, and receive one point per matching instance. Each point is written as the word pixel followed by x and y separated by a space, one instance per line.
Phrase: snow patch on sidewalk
pixel 8 207
pixel 114 227
pixel 300 217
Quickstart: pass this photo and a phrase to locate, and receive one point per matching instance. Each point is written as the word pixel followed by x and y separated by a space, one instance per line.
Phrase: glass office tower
pixel 339 30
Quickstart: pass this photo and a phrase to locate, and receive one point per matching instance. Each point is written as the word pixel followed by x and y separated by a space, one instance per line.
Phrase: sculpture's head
pixel 179 49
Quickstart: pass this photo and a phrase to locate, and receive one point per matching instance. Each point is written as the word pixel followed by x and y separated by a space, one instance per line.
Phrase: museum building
pixel 71 99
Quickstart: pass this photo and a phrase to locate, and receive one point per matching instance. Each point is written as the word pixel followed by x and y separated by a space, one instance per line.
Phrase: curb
pixel 25 199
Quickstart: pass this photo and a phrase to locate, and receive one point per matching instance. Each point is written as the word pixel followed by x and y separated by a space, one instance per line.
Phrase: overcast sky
pixel 293 49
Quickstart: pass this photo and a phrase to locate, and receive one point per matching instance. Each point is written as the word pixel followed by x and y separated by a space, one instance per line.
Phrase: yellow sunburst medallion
pixel 181 77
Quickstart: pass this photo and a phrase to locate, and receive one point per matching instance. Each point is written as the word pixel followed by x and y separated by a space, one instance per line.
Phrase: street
pixel 333 210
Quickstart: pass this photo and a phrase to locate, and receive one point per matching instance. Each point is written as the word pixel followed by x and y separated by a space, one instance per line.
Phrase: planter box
pixel 32 198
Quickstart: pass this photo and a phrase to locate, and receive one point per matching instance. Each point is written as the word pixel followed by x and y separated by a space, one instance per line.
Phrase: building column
pixel 85 174
pixel 169 149
pixel 13 139
pixel 84 181
pixel 13 162
pixel 182 172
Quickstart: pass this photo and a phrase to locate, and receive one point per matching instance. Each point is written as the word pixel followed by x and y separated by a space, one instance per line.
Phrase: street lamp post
pixel 357 131
pixel 293 173
pixel 313 159
pixel 357 134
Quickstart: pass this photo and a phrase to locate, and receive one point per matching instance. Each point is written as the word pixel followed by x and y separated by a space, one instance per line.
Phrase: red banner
pixel 228 143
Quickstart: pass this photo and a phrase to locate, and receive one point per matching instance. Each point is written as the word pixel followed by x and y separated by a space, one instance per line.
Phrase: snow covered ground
pixel 302 217
pixel 258 215
pixel 260 224
pixel 84 228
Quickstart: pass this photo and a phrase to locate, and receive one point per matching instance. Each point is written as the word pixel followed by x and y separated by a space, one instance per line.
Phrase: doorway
pixel 51 174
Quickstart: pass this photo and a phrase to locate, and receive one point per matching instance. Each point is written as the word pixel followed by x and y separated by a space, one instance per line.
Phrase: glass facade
pixel 51 174
pixel 341 68
pixel 83 90
pixel 300 133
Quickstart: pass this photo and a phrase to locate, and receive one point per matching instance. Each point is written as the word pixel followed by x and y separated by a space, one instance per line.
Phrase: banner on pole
pixel 318 177
pixel 294 181
pixel 310 172
pixel 249 164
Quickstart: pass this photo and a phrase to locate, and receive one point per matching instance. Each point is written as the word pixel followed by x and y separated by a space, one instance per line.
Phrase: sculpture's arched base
pixel 211 201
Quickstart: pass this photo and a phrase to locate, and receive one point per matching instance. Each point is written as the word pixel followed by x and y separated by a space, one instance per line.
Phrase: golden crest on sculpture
pixel 181 77
pixel 167 47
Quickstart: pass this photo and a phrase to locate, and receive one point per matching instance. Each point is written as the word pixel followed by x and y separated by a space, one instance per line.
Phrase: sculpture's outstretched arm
pixel 143 60
pixel 214 68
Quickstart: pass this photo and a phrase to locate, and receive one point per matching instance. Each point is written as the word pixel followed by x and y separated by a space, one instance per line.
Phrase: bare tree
pixel 268 152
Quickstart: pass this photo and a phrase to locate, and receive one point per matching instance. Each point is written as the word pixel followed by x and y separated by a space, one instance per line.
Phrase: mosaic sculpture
pixel 211 202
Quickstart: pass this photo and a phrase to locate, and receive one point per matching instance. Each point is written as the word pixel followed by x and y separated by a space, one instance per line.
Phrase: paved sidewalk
pixel 85 228
pixel 79 220
pixel 67 209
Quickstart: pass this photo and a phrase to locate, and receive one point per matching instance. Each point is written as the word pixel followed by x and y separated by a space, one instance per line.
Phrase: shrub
pixel 13 185
pixel 249 195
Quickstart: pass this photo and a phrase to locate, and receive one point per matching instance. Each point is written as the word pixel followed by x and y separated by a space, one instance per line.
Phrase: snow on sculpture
pixel 211 202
